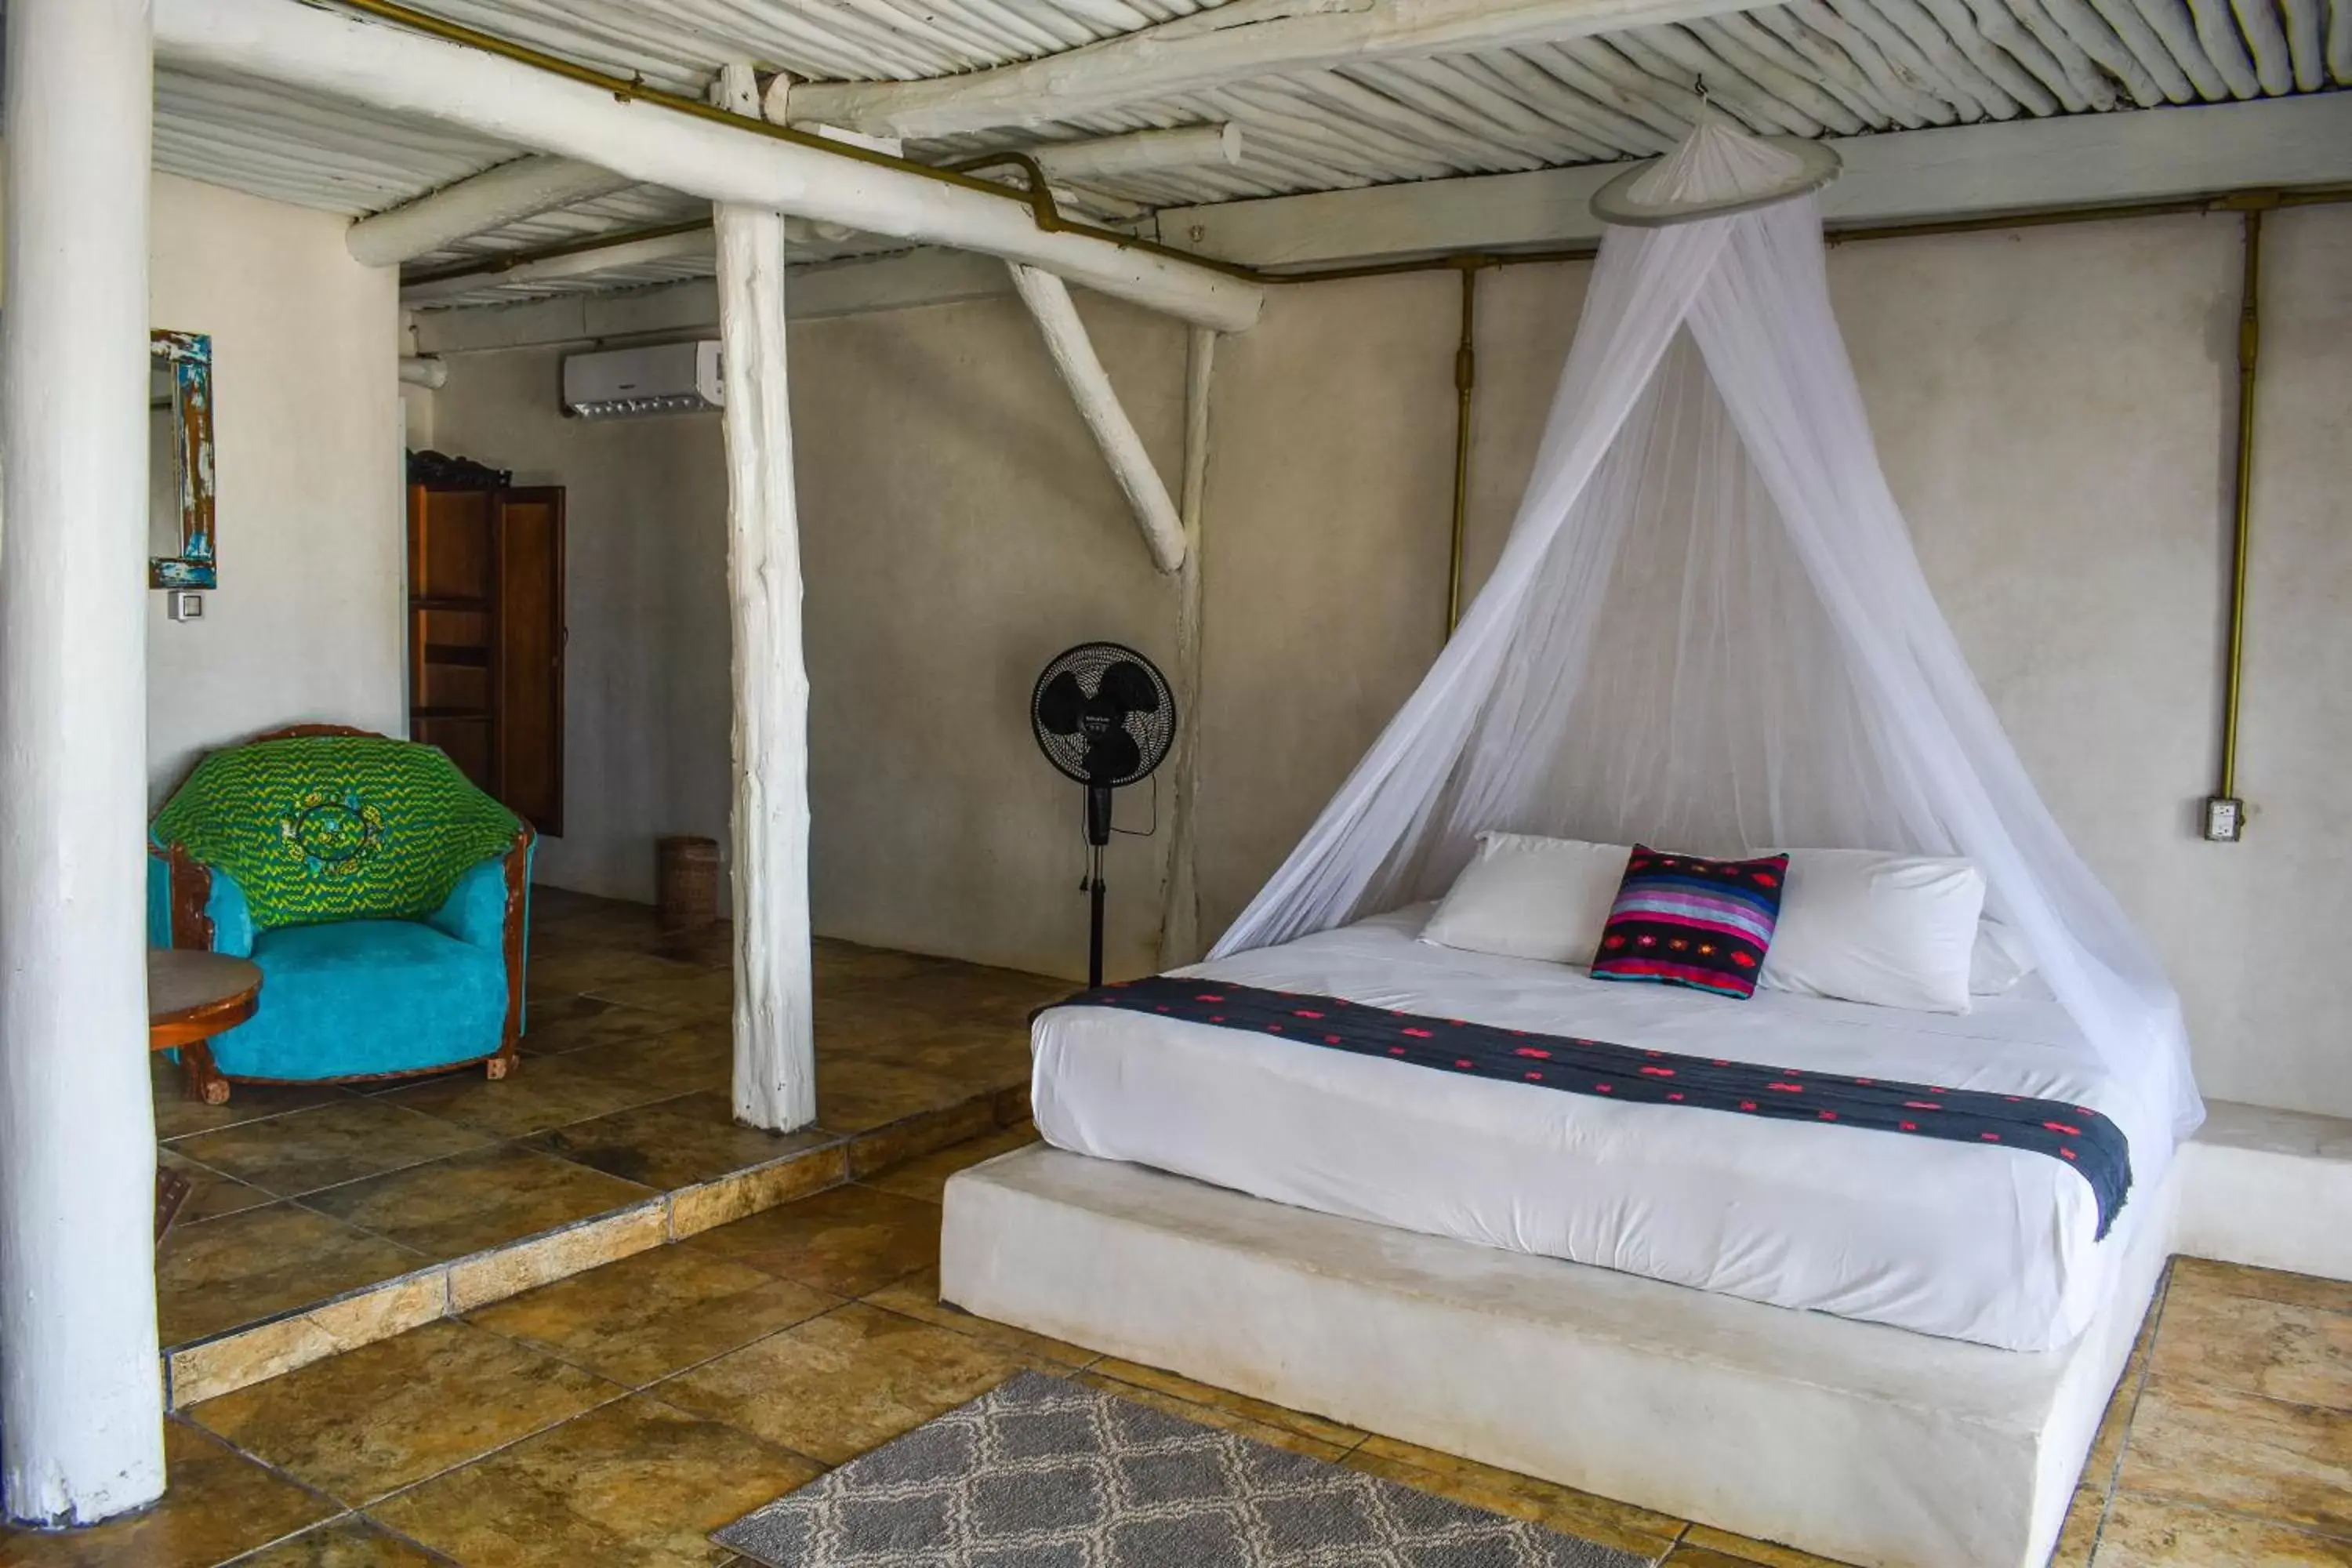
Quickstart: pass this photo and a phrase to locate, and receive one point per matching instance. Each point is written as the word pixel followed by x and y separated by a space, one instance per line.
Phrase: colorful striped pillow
pixel 1684 920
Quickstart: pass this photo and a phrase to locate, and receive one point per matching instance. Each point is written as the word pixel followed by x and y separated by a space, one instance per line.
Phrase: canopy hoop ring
pixel 1616 203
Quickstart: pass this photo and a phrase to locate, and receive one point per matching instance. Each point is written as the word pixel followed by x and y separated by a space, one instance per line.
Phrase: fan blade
pixel 1125 683
pixel 1113 756
pixel 1060 704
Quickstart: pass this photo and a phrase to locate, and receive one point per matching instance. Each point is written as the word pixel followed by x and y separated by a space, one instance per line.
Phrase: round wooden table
pixel 193 995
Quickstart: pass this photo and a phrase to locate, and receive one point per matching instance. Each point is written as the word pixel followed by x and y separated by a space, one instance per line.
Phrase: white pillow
pixel 1999 960
pixel 1896 931
pixel 1524 897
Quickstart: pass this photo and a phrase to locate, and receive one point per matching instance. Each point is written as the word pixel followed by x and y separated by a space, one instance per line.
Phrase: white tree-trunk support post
pixel 1048 299
pixel 80 1386
pixel 775 1003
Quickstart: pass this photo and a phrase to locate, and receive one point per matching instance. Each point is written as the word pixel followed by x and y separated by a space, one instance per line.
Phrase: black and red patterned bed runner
pixel 2076 1134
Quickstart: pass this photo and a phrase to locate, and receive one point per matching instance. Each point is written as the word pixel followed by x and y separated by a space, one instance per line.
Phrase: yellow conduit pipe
pixel 1466 382
pixel 2250 205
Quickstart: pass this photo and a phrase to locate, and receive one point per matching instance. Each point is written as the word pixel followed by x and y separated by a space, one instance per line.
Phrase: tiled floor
pixel 617 1416
pixel 306 1200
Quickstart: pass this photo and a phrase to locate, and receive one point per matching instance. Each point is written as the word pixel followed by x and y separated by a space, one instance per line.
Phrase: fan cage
pixel 1153 731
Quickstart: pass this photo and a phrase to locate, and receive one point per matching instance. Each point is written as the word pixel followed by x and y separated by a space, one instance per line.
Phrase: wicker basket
pixel 687 879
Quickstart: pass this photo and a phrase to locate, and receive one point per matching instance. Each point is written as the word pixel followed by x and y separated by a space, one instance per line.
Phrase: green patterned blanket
pixel 335 828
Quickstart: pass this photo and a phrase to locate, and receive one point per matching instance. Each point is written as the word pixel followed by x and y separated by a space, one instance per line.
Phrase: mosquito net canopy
pixel 1707 630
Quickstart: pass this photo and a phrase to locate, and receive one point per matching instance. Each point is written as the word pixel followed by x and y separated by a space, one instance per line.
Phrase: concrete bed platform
pixel 1859 1442
pixel 1864 1443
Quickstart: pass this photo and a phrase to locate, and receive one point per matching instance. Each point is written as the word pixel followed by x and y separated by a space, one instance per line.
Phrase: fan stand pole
pixel 1097 835
pixel 1094 921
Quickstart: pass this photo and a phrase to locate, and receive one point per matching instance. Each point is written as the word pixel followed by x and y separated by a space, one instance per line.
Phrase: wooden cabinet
pixel 486 639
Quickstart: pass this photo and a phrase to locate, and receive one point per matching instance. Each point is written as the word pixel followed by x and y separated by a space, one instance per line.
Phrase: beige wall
pixel 1324 526
pixel 2053 407
pixel 958 530
pixel 307 623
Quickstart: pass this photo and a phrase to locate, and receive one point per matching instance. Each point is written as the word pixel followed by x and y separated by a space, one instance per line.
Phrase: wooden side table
pixel 193 995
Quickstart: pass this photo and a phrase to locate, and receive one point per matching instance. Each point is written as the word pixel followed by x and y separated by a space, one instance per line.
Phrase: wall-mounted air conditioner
pixel 670 378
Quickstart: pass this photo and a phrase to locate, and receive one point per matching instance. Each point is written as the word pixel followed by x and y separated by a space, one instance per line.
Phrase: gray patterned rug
pixel 1044 1473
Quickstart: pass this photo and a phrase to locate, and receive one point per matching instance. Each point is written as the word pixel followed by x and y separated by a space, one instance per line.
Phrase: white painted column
pixel 775 1010
pixel 81 1392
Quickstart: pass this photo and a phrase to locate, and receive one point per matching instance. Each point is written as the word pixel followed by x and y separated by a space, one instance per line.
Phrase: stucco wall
pixel 958 530
pixel 2054 409
pixel 307 623
pixel 1325 532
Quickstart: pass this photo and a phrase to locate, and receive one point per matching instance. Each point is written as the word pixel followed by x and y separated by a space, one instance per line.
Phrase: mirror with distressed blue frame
pixel 180 535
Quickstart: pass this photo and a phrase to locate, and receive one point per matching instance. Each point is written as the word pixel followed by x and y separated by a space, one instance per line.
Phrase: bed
pixel 1995 1245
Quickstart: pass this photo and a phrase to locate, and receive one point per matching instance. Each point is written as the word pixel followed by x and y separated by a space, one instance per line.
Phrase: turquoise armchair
pixel 383 897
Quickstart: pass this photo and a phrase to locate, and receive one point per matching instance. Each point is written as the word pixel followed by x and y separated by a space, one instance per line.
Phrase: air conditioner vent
pixel 668 378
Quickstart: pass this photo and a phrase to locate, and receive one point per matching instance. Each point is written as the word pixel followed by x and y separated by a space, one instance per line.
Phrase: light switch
pixel 185 604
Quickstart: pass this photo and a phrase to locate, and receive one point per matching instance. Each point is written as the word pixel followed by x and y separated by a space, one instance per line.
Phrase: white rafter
pixel 1421 90
pixel 1236 42
pixel 570 264
pixel 1141 152
pixel 413 75
pixel 523 188
pixel 1910 176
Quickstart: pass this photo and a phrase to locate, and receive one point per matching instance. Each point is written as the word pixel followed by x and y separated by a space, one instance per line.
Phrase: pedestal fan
pixel 1104 716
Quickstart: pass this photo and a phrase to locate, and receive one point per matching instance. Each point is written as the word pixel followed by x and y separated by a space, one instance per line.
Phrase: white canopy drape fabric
pixel 1709 631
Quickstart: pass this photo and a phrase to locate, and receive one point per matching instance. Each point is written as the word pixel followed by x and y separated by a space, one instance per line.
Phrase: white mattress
pixel 1965 1241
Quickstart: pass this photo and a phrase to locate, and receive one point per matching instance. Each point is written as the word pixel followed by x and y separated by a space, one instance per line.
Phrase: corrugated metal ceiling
pixel 1807 68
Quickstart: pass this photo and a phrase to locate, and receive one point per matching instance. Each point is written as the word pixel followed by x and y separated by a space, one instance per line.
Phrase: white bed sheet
pixel 1965 1241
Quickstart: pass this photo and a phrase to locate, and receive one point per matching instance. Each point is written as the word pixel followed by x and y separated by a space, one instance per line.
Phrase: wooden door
pixel 531 657
pixel 453 641
pixel 486 640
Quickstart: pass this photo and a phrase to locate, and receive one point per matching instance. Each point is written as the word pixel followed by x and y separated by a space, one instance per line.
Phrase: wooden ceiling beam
pixel 415 75
pixel 2018 167
pixel 1232 43
pixel 491 199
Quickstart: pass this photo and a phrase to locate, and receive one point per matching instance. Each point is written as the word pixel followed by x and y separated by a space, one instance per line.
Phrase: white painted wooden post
pixel 80 1390
pixel 1056 314
pixel 1179 915
pixel 776 1009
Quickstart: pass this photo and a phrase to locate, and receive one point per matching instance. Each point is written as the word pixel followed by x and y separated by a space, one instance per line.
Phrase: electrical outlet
pixel 2225 818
